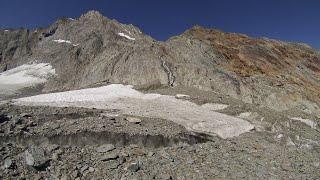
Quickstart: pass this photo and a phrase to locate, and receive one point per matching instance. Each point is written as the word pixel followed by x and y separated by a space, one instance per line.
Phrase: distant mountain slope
pixel 94 50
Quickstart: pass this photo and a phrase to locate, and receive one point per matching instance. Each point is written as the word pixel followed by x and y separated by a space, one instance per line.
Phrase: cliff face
pixel 93 49
pixel 276 74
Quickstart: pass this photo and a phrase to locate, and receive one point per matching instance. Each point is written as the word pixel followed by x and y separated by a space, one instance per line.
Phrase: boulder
pixel 105 148
pixel 36 157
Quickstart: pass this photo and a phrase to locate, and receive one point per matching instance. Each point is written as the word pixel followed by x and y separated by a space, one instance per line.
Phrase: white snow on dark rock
pixel 126 36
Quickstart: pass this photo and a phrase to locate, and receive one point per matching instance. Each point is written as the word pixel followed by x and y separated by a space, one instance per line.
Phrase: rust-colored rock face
pixel 280 62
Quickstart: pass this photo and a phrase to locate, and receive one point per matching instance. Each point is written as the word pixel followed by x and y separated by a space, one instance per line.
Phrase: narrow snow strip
pixel 171 78
pixel 71 19
pixel 182 96
pixel 126 36
pixel 65 41
pixel 131 102
pixel 24 76
pixel 62 41
pixel 308 122
pixel 6 30
pixel 214 106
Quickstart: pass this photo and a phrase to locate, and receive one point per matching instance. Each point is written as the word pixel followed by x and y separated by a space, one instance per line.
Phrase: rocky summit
pixel 92 98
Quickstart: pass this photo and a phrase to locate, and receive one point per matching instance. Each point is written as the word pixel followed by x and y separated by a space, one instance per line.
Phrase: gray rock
pixel 52 147
pixel 66 177
pixel 26 115
pixel 84 168
pixel 167 156
pixel 36 157
pixel 112 164
pixel 91 169
pixel 134 120
pixel 16 120
pixel 75 174
pixel 150 154
pixel 8 163
pixel 134 167
pixel 105 148
pixel 121 160
pixel 110 156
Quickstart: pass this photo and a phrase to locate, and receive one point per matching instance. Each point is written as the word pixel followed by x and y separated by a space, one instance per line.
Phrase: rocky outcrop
pixel 267 72
pixel 95 50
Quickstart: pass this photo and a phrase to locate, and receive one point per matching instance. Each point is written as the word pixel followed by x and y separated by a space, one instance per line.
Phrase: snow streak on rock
pixel 171 78
pixel 64 41
pixel 126 36
pixel 182 96
pixel 131 102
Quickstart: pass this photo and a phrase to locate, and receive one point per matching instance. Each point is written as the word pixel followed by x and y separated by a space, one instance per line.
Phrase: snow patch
pixel 308 122
pixel 6 30
pixel 182 96
pixel 24 76
pixel 64 41
pixel 71 19
pixel 279 136
pixel 126 36
pixel 214 106
pixel 132 102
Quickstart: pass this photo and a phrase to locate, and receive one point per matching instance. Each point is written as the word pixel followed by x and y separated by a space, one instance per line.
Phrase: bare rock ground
pixel 64 143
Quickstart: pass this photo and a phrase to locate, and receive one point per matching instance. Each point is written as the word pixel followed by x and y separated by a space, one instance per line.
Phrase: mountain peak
pixel 93 14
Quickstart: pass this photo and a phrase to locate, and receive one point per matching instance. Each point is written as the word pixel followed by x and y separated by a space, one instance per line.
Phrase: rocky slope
pixel 81 143
pixel 95 50
pixel 105 132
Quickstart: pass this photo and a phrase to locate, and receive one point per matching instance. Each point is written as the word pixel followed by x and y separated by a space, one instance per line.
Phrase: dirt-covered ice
pixel 129 101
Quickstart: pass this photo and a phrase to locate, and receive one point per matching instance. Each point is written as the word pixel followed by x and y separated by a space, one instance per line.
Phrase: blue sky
pixel 289 20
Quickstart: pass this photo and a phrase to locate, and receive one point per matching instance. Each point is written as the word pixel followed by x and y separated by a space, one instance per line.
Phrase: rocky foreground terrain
pixel 266 91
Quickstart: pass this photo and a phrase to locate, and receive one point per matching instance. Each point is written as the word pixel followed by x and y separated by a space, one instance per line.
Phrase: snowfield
pixel 132 102
pixel 24 76
pixel 126 36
